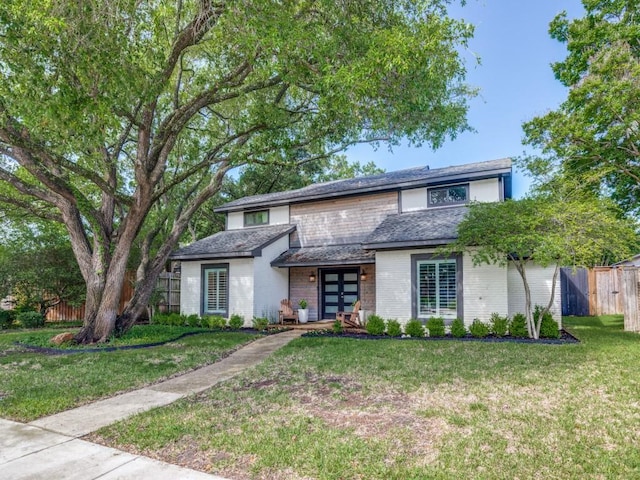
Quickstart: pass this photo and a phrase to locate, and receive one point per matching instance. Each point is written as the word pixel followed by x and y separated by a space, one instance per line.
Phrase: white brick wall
pixel 539 279
pixel 271 284
pixel 485 190
pixel 190 287
pixel 485 290
pixel 240 286
pixel 484 287
pixel 393 284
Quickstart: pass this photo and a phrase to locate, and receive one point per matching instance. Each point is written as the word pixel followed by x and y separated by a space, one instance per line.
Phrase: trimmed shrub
pixel 236 321
pixel 414 328
pixel 337 327
pixel 159 319
pixel 548 327
pixel 518 326
pixel 193 320
pixel 7 319
pixel 260 323
pixel 176 319
pixel 216 321
pixel 30 319
pixel 393 328
pixel 499 325
pixel 375 325
pixel 435 325
pixel 479 329
pixel 458 330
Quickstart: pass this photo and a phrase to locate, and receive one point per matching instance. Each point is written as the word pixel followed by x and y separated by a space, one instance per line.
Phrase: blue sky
pixel 515 80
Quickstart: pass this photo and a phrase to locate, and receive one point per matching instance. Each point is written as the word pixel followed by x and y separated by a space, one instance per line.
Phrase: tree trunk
pixel 95 288
pixel 521 267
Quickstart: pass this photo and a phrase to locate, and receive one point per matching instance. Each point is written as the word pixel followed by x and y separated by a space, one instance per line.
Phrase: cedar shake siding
pixel 340 221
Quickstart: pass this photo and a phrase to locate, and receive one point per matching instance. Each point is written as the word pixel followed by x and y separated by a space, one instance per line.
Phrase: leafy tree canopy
pixel 549 228
pixel 595 133
pixel 37 266
pixel 119 116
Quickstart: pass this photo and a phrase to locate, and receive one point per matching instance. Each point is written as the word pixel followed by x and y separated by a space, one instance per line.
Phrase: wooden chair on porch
pixel 350 319
pixel 287 313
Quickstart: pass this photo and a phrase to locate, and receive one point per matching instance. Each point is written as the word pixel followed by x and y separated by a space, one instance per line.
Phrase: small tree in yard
pixel 549 230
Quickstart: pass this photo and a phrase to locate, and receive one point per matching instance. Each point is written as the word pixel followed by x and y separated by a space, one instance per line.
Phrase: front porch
pixel 326 324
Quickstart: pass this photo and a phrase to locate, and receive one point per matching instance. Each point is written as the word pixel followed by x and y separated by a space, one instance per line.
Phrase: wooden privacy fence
pixel 168 287
pixel 603 291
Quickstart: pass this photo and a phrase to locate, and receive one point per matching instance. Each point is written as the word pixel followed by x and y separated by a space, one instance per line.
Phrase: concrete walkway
pixel 50 448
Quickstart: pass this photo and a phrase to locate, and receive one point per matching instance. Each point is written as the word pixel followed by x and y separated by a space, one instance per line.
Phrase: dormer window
pixel 259 217
pixel 443 196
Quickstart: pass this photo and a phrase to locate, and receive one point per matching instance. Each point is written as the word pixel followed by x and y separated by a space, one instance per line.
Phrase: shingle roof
pixel 435 226
pixel 352 254
pixel 246 242
pixel 374 183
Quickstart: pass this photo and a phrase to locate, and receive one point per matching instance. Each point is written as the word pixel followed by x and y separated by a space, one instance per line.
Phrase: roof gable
pixel 245 242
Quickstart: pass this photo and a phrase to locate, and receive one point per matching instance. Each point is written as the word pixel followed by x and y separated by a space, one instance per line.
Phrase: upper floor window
pixel 453 195
pixel 259 217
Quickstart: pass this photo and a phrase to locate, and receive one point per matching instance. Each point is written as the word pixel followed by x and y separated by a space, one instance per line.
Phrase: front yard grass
pixel 335 408
pixel 34 384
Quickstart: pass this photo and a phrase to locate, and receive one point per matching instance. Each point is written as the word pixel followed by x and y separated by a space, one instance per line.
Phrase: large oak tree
pixel 119 117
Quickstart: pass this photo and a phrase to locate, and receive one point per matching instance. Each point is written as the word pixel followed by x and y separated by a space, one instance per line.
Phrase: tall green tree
pixel 37 266
pixel 547 229
pixel 595 133
pixel 111 109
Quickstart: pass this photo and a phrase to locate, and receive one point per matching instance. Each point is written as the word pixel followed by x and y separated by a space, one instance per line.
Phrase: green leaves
pixel 547 229
pixel 595 133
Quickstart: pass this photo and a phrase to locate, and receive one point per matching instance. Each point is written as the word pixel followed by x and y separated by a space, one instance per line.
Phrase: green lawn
pixel 332 408
pixel 33 385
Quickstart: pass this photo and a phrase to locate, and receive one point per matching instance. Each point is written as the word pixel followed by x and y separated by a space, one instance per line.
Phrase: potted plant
pixel 303 311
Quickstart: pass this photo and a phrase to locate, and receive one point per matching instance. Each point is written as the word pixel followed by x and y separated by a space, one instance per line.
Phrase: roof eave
pixel 213 256
pixel 286 264
pixel 407 244
pixel 379 188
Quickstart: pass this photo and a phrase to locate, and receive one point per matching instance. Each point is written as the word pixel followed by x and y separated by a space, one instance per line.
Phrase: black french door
pixel 339 290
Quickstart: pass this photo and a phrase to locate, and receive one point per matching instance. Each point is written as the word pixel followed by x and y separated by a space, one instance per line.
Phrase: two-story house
pixel 370 238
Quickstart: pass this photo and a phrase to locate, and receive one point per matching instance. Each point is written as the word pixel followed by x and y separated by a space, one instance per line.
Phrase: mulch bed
pixel 565 337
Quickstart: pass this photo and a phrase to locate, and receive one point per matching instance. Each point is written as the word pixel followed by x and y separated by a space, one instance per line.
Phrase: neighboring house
pixel 630 262
pixel 369 238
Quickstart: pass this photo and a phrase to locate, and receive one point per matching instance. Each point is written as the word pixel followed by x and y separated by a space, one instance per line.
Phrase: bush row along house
pixel 371 238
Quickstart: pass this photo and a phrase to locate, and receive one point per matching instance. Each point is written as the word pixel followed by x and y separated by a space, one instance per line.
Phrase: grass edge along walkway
pixel 90 417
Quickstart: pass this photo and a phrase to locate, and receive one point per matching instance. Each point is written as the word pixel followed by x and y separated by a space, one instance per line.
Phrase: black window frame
pixel 448 203
pixel 253 212
pixel 203 269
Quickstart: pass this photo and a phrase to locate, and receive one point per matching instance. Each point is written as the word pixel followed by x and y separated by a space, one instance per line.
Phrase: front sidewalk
pixel 50 448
